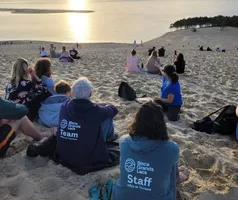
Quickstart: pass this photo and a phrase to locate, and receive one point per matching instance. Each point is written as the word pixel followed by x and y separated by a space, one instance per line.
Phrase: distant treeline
pixel 218 21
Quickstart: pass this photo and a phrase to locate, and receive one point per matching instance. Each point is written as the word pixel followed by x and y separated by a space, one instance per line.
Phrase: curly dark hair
pixel 149 122
pixel 43 67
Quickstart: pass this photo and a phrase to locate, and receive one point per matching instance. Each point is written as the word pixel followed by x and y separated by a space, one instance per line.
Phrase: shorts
pixel 7 134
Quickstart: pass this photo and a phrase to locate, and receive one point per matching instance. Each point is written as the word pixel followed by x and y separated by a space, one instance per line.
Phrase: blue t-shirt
pixel 147 169
pixel 49 83
pixel 171 88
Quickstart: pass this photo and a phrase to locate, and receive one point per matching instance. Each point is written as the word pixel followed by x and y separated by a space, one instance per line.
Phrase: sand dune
pixel 211 83
pixel 41 11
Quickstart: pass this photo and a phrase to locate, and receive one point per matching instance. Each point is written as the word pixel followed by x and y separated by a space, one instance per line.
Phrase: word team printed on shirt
pixel 71 126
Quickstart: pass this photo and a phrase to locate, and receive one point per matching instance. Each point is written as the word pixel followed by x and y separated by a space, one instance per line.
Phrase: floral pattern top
pixel 25 92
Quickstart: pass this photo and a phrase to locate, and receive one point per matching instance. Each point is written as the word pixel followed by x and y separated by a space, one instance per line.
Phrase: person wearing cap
pixel 171 96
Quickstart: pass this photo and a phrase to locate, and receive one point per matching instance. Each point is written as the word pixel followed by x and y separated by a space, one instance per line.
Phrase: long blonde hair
pixel 19 71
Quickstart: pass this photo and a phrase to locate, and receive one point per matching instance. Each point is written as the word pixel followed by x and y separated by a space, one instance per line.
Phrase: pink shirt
pixel 132 64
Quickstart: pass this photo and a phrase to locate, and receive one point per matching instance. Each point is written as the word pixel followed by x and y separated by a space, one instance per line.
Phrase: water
pixel 112 21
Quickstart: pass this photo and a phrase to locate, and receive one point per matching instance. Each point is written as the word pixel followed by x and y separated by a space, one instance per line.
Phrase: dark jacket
pixel 80 143
pixel 12 111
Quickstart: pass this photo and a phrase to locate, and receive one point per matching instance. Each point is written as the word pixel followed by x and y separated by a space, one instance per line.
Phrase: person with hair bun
pixel 132 62
pixel 171 97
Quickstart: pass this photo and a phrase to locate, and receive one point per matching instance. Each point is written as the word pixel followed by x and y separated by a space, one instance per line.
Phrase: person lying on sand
pixel 50 108
pixel 171 97
pixel 25 87
pixel 12 120
pixel 149 160
pixel 132 62
pixel 153 64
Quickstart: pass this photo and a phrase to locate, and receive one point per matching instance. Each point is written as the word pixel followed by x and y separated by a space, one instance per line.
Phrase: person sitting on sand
pixel 50 108
pixel 43 70
pixel 171 97
pixel 209 49
pixel 153 64
pixel 74 54
pixel 201 48
pixel 12 120
pixel 64 56
pixel 25 86
pixel 161 52
pixel 237 124
pixel 180 64
pixel 52 51
pixel 43 52
pixel 84 127
pixel 132 63
pixel 150 51
pixel 148 159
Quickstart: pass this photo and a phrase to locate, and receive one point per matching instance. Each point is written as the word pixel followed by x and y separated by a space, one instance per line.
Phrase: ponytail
pixel 171 72
pixel 175 77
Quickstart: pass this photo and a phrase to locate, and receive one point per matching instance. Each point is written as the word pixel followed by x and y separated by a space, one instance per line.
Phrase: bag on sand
pixel 224 124
pixel 125 91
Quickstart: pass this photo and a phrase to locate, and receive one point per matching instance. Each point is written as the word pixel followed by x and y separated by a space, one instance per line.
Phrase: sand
pixel 211 82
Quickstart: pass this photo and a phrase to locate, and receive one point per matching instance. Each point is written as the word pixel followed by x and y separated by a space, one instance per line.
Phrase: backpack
pixel 224 124
pixel 125 91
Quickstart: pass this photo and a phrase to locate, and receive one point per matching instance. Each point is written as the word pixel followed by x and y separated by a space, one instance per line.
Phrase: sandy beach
pixel 210 83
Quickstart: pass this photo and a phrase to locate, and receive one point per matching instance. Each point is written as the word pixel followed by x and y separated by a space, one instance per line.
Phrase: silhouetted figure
pixel 223 50
pixel 74 54
pixel 180 64
pixel 209 49
pixel 161 52
pixel 201 48
pixel 150 51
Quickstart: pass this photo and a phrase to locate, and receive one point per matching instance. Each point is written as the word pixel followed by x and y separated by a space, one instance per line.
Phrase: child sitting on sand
pixel 50 108
pixel 171 97
pixel 149 160
pixel 43 52
pixel 132 63
pixel 44 72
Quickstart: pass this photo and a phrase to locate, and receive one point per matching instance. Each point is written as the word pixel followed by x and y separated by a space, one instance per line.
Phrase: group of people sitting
pixel 153 65
pixel 85 129
pixel 218 49
pixel 64 55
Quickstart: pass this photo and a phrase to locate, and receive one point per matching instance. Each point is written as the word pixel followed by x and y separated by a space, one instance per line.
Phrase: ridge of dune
pixel 210 83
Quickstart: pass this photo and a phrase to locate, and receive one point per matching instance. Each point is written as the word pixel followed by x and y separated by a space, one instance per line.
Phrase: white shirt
pixel 44 53
pixel 132 64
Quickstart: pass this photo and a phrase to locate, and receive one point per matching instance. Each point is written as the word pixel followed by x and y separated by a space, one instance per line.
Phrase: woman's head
pixel 43 67
pixel 63 48
pixel 154 54
pixel 170 73
pixel 180 57
pixel 42 48
pixel 149 122
pixel 133 53
pixel 20 71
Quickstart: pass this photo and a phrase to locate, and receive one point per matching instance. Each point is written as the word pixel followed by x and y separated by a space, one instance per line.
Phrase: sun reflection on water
pixel 78 22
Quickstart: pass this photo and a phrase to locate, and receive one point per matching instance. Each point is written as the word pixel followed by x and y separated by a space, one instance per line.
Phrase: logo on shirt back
pixel 63 124
pixel 130 165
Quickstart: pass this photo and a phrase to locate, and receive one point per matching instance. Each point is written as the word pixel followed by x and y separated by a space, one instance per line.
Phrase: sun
pixel 78 22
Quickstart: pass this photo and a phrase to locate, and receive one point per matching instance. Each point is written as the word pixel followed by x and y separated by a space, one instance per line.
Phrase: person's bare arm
pixel 169 100
pixel 237 111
